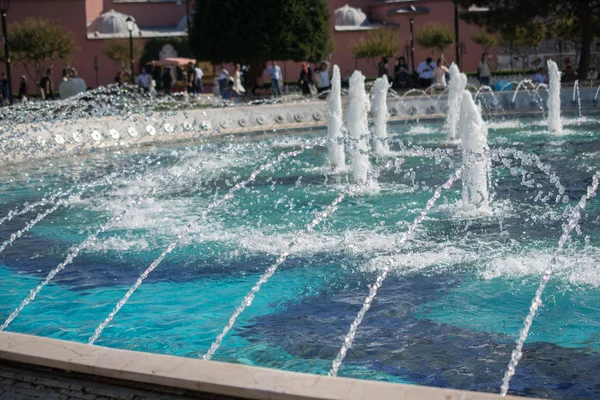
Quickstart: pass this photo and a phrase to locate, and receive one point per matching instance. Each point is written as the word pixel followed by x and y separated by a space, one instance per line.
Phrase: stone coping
pixel 210 376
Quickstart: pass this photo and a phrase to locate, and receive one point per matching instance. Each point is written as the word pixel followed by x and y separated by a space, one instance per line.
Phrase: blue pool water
pixel 448 314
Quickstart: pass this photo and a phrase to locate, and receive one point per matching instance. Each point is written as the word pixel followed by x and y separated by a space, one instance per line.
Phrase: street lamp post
pixel 187 16
pixel 410 12
pixel 4 5
pixel 96 67
pixel 412 43
pixel 130 25
pixel 456 36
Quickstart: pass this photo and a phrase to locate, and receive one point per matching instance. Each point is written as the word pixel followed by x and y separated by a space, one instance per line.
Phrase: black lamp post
pixel 410 12
pixel 96 67
pixel 4 5
pixel 456 36
pixel 130 25
pixel 187 16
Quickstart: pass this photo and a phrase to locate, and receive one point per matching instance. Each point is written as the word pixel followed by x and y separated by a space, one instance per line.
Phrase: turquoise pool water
pixel 447 315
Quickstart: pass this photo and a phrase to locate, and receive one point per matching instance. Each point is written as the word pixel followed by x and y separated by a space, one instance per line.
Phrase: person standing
pixel 143 80
pixel 199 76
pixel 274 72
pixel 47 86
pixel 306 79
pixel 237 80
pixel 167 81
pixel 484 71
pixel 324 81
pixel 156 77
pixel 401 72
pixel 382 68
pixel 439 74
pixel 191 78
pixel 425 71
pixel 23 91
pixel 223 79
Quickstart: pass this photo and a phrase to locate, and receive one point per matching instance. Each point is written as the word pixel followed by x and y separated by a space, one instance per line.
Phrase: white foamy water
pixel 423 130
pixel 576 267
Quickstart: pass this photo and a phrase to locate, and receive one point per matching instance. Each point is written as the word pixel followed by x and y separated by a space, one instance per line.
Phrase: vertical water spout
pixel 577 96
pixel 379 107
pixel 335 134
pixel 358 127
pixel 475 152
pixel 554 123
pixel 456 86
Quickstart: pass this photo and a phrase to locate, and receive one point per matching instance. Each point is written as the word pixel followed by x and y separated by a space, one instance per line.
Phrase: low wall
pixel 45 139
pixel 33 366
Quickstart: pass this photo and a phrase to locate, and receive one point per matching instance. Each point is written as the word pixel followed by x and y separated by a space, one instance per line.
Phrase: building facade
pixel 93 22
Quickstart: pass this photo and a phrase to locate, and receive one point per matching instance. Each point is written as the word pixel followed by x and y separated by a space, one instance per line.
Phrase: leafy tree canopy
pixel 583 17
pixel 118 51
pixel 376 44
pixel 435 36
pixel 256 31
pixel 485 39
pixel 37 43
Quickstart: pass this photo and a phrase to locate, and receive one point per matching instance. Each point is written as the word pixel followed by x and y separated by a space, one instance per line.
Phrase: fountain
pixel 358 127
pixel 554 123
pixel 185 233
pixel 577 96
pixel 335 134
pixel 473 135
pixel 379 107
pixel 456 86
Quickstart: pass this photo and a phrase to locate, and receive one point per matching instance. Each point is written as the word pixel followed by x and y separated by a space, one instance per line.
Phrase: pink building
pixel 92 22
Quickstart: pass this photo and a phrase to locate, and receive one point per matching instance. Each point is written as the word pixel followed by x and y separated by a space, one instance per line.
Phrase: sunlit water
pixel 447 315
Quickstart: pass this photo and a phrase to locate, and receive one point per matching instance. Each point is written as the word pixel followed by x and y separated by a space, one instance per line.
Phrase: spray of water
pixel 107 180
pixel 249 298
pixel 68 260
pixel 380 89
pixel 75 251
pixel 358 127
pixel 473 134
pixel 384 273
pixel 456 87
pixel 577 96
pixel 537 300
pixel 186 231
pixel 554 122
pixel 79 188
pixel 335 134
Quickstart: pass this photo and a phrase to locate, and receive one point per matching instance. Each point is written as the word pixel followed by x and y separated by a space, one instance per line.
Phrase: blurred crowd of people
pixel 241 83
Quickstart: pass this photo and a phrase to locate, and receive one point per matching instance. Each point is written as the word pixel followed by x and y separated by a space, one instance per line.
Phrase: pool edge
pixel 209 377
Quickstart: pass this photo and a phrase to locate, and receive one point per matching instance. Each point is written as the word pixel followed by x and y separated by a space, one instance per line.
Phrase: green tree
pixel 37 43
pixel 567 30
pixel 436 37
pixel 376 44
pixel 513 13
pixel 256 31
pixel 522 40
pixel 531 35
pixel 118 51
pixel 485 39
